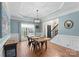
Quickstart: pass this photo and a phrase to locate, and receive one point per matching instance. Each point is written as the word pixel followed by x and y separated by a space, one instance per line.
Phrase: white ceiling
pixel 46 9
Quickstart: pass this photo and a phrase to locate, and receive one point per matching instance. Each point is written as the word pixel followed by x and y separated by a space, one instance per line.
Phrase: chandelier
pixel 37 20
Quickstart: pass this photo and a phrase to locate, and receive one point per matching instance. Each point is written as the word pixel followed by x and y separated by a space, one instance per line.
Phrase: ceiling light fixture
pixel 37 20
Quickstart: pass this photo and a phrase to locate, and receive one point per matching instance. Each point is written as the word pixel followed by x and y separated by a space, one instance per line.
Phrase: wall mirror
pixel 68 24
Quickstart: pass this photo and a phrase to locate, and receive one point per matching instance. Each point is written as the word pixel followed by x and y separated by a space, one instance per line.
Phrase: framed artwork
pixel 5 22
pixel 68 24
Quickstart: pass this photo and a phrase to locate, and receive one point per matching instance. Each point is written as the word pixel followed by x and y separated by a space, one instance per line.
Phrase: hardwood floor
pixel 53 50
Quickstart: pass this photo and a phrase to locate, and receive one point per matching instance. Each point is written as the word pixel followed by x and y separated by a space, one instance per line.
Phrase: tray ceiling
pixel 28 9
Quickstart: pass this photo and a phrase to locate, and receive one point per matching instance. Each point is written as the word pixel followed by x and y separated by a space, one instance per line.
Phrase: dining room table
pixel 41 39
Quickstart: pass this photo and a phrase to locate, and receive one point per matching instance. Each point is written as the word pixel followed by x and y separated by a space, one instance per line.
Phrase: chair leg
pixel 29 44
pixel 35 46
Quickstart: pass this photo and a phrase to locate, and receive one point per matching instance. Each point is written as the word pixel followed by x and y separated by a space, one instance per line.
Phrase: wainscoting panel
pixel 67 41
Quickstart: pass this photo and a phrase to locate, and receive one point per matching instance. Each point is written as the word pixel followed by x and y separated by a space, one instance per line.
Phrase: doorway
pixel 49 31
pixel 27 30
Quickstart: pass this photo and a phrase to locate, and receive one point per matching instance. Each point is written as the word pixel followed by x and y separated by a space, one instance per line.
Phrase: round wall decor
pixel 68 24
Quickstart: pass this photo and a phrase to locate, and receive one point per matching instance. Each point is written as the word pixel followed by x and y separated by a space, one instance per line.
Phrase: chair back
pixel 29 38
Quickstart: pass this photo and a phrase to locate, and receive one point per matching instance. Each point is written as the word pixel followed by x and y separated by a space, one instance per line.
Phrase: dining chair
pixel 36 45
pixel 44 44
pixel 29 41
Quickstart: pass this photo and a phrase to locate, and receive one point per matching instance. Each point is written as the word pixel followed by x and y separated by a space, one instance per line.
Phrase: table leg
pixel 45 45
pixel 41 44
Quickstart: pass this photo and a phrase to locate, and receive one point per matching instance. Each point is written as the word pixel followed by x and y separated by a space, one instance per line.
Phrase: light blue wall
pixel 0 20
pixel 14 26
pixel 4 21
pixel 73 31
pixel 4 27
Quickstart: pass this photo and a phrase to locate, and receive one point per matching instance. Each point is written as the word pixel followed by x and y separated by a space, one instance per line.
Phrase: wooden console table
pixel 10 48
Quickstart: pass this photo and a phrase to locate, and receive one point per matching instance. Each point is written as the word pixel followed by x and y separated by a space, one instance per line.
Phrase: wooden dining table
pixel 41 40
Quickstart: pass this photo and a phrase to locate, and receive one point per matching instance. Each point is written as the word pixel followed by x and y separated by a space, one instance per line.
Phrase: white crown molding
pixel 55 10
pixel 51 17
pixel 27 20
